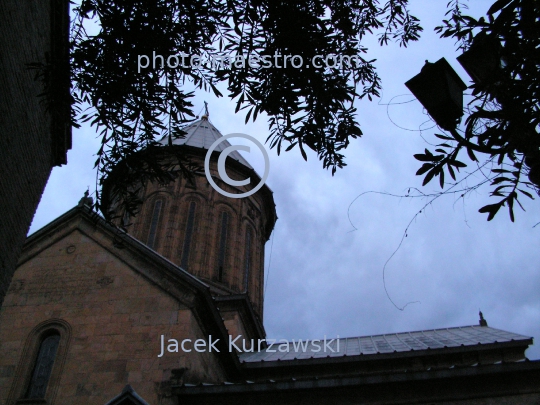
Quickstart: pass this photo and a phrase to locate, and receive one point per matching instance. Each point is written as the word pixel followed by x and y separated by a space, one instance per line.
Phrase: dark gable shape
pixel 127 397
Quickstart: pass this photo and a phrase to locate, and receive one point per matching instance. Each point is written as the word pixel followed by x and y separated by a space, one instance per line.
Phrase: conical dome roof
pixel 202 134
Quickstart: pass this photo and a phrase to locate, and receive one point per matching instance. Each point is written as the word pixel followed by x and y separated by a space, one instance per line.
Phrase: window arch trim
pixel 25 367
pixel 155 219
pixel 43 364
pixel 249 238
pixel 189 234
pixel 223 235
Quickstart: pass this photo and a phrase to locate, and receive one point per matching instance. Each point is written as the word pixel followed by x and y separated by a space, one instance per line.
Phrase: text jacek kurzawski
pixel 250 345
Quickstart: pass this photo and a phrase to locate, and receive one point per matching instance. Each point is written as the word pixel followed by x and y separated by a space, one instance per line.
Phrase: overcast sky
pixel 326 278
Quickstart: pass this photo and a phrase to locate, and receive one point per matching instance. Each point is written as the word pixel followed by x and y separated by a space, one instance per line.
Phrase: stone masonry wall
pixel 25 133
pixel 116 317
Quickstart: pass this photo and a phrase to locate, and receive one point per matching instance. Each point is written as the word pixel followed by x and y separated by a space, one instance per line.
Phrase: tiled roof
pixel 202 134
pixel 388 343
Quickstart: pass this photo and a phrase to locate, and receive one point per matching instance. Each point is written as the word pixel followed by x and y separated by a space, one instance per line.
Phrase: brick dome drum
pixel 218 239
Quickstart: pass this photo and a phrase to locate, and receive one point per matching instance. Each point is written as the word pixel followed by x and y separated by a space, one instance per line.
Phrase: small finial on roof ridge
pixel 483 322
pixel 86 200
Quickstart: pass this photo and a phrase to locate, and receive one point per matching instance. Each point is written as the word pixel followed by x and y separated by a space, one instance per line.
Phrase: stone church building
pixel 171 312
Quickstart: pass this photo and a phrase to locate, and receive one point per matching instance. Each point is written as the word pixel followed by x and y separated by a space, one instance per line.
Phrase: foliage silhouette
pixel 308 107
pixel 503 117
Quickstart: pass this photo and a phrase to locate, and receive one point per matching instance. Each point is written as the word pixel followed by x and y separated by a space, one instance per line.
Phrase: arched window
pixel 154 224
pixel 43 366
pixel 247 257
pixel 37 376
pixel 125 219
pixel 224 223
pixel 188 236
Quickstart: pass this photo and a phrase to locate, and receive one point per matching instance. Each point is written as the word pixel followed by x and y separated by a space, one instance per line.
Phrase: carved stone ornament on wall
pixel 105 281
